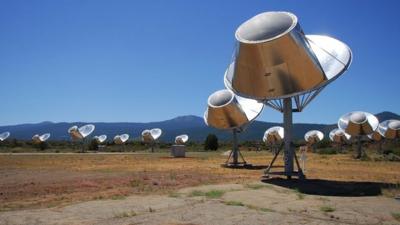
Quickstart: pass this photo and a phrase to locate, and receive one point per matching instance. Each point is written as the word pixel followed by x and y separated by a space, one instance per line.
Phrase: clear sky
pixel 139 61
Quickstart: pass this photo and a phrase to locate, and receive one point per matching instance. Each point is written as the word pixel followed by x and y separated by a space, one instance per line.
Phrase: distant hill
pixel 192 125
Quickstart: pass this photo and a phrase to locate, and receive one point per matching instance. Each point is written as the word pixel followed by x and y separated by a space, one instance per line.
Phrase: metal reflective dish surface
pixel 4 136
pixel 390 129
pixel 358 123
pixel 274 135
pixel 74 132
pixel 181 139
pixel 40 138
pixel 313 136
pixel 228 111
pixel 339 136
pixel 275 59
pixel 86 130
pixel 156 133
pixel 100 139
pixel 375 136
pixel 121 139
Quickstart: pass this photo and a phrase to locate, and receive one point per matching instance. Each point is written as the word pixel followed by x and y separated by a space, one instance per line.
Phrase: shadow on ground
pixel 331 187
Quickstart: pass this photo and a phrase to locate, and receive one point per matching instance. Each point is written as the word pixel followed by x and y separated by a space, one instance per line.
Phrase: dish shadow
pixel 331 187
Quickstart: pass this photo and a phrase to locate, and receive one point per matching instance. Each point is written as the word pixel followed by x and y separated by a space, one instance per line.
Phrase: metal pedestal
pixel 233 158
pixel 289 153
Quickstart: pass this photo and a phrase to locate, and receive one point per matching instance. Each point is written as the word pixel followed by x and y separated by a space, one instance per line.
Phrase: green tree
pixel 211 142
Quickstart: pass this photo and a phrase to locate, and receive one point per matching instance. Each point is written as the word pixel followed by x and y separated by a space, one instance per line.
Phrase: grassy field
pixel 46 180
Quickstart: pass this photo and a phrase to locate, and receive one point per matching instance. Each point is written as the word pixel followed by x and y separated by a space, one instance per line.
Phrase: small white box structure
pixel 178 151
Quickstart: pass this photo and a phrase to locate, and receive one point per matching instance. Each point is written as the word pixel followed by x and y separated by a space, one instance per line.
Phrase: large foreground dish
pixel 276 62
pixel 227 111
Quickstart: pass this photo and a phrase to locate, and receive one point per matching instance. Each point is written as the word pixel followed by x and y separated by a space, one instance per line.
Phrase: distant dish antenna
pixel 40 138
pixel 312 137
pixel 358 124
pixel 151 136
pixel 81 133
pixel 273 137
pixel 121 139
pixel 339 137
pixel 100 139
pixel 4 136
pixel 390 129
pixel 181 139
pixel 277 64
pixel 228 111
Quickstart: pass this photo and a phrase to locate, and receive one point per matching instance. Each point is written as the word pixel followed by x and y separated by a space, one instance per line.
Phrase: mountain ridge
pixel 192 125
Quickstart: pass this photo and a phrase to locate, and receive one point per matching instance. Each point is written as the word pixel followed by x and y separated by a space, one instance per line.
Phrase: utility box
pixel 178 151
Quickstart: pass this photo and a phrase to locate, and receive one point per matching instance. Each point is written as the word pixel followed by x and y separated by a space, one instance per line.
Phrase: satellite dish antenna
pixel 100 139
pixel 227 111
pixel 312 137
pixel 390 129
pixel 339 137
pixel 358 124
pixel 181 139
pixel 37 139
pixel 151 136
pixel 80 134
pixel 121 139
pixel 4 136
pixel 274 137
pixel 276 63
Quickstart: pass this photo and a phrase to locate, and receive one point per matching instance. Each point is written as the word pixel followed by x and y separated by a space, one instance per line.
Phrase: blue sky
pixel 139 61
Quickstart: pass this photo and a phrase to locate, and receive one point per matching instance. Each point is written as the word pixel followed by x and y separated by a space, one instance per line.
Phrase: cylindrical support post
pixel 287 125
pixel 235 153
pixel 359 148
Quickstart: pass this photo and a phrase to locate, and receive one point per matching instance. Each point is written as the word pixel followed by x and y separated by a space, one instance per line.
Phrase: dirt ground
pixel 156 189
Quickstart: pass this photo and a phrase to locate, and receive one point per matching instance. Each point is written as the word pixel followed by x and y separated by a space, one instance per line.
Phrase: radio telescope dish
pixel 274 136
pixel 86 130
pixel 375 136
pixel 40 138
pixel 181 139
pixel 276 63
pixel 313 136
pixel 100 139
pixel 390 129
pixel 4 136
pixel 81 132
pixel 275 60
pixel 358 124
pixel 339 136
pixel 227 111
pixel 121 139
pixel 151 136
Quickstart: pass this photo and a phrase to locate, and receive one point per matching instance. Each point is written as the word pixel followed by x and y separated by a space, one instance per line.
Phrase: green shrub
pixel 211 142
